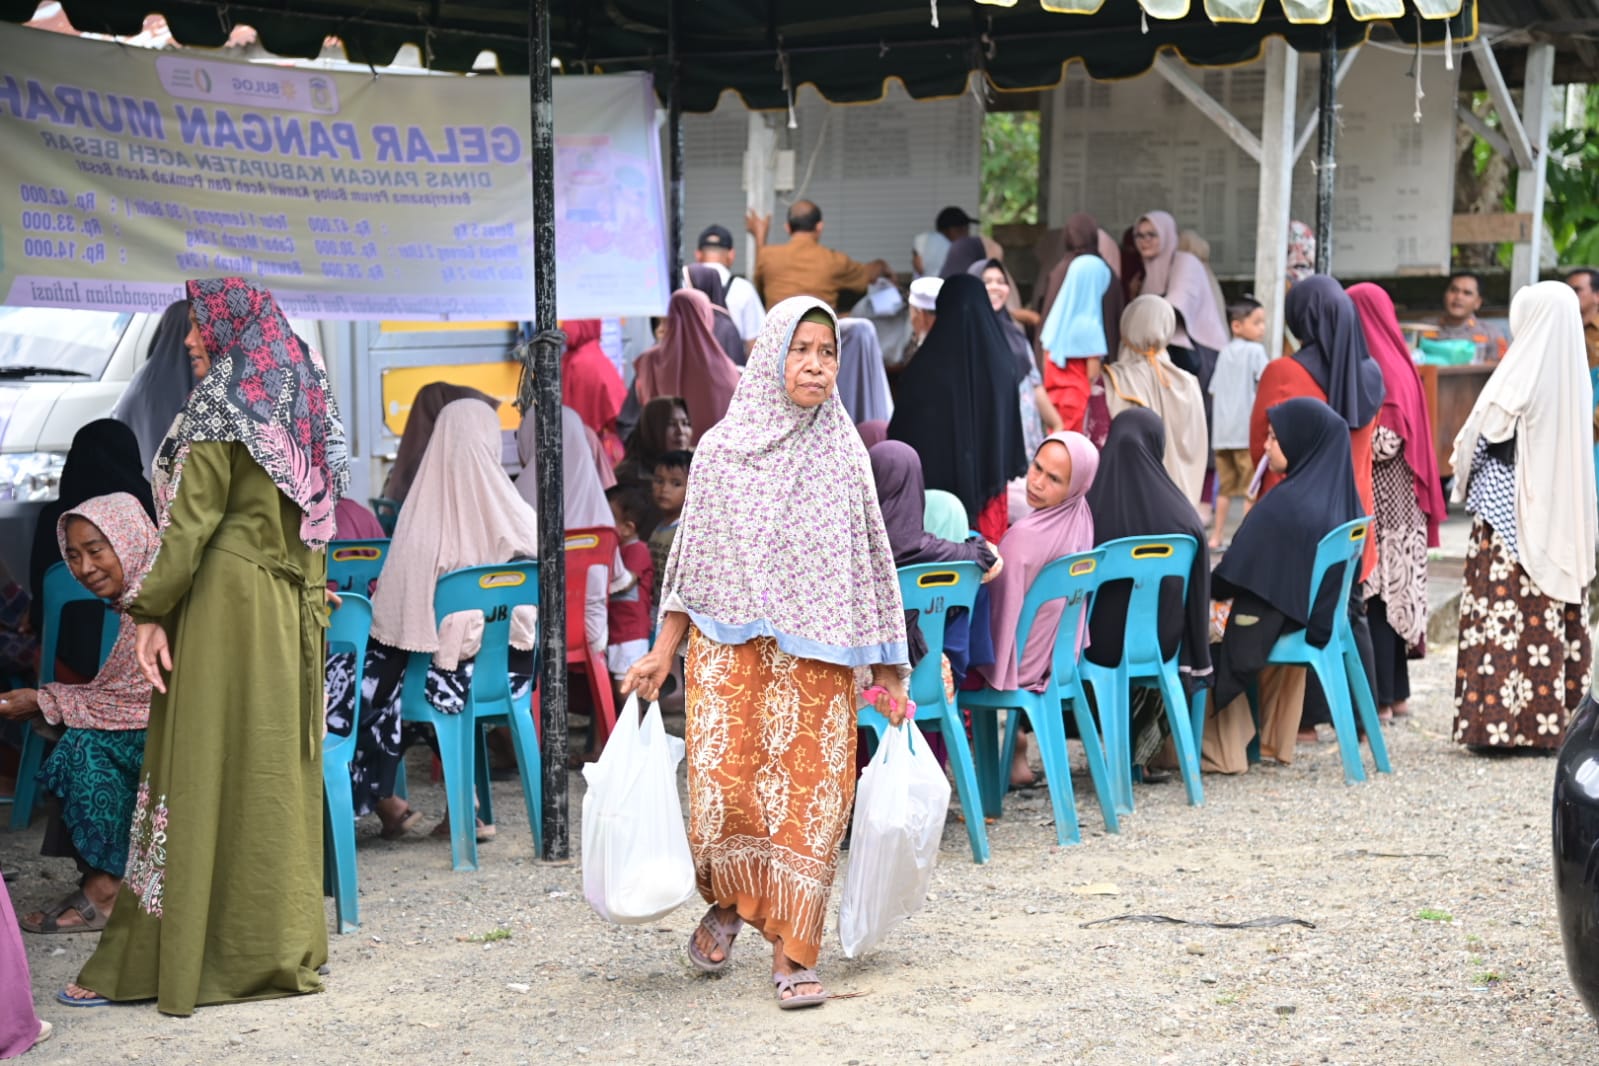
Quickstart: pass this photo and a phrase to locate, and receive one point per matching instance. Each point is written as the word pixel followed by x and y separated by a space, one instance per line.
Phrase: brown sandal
pixel 93 920
pixel 721 932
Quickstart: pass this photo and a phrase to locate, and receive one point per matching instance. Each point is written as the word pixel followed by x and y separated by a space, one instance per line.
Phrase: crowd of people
pixel 765 470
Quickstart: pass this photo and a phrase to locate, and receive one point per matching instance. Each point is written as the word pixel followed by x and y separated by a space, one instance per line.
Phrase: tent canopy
pixel 847 49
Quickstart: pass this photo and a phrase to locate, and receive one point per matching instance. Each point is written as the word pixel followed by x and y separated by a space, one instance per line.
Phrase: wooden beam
pixel 1509 120
pixel 1479 125
pixel 1491 229
pixel 1179 79
pixel 1307 127
pixel 1276 187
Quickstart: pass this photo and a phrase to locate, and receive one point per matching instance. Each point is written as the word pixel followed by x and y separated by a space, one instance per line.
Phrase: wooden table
pixel 1451 391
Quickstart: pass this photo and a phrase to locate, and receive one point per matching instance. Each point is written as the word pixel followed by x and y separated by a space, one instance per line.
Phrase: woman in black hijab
pixel 708 281
pixel 1134 496
pixel 104 458
pixel 1266 573
pixel 956 405
pixel 161 387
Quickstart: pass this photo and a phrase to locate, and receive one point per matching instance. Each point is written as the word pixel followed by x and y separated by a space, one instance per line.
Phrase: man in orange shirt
pixel 803 267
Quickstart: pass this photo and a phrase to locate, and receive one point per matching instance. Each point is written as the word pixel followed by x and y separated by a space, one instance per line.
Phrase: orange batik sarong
pixel 771 780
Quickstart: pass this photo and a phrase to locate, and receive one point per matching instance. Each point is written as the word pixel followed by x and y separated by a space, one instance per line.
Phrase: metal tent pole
pixel 1326 155
pixel 1276 186
pixel 541 389
pixel 674 136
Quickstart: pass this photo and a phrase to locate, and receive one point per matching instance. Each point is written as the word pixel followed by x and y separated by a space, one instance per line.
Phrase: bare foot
pixel 1308 736
pixel 1021 773
pixel 1385 714
pixel 781 963
pixel 705 943
pixel 77 991
pixel 1401 708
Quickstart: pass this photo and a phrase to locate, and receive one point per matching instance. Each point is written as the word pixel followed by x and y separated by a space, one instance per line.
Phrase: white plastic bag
pixel 636 862
pixel 900 806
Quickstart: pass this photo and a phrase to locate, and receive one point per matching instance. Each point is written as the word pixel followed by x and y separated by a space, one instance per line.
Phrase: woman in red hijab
pixel 1409 501
pixel 591 385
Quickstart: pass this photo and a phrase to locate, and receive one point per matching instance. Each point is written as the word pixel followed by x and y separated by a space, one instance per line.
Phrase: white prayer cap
pixel 924 292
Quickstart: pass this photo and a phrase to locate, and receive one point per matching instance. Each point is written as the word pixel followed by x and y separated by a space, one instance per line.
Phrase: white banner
pixel 125 171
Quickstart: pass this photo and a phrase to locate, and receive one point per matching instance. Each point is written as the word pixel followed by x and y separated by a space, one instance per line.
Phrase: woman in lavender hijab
pixel 782 582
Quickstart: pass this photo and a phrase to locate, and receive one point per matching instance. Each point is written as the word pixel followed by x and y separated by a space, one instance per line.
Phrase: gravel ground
pixel 1433 941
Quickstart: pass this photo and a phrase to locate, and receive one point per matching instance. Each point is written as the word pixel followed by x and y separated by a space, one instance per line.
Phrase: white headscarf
pixel 582 493
pixel 1143 375
pixel 461 510
pixel 1541 394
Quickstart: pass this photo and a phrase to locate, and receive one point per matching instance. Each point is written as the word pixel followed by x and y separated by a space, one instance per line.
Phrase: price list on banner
pixel 124 173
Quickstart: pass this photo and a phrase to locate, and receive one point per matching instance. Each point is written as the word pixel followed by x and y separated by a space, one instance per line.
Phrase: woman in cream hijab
pixel 1522 468
pixel 1143 375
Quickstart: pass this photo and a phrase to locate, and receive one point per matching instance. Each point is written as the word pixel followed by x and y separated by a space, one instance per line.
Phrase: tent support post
pixel 1276 185
pixel 1538 88
pixel 677 202
pixel 1310 123
pixel 1326 150
pixel 541 386
pixel 760 153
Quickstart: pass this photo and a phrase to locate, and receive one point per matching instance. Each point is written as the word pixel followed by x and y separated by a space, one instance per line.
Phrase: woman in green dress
pixel 222 900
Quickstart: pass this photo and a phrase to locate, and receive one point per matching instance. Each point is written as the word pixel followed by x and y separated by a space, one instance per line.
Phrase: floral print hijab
pixel 781 534
pixel 267 390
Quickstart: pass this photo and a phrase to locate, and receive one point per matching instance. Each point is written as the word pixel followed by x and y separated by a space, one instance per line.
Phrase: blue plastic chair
pixel 1337 665
pixel 493 591
pixel 347 632
pixel 386 511
pixel 1146 562
pixel 354 564
pixel 931 590
pixel 1072 579
pixel 60 589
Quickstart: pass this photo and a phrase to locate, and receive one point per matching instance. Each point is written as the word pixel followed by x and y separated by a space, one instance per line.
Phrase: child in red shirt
pixel 628 612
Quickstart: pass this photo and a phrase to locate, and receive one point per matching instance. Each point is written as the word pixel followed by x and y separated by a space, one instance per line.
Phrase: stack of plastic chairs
pixel 932 590
pixel 1146 562
pixel 494 591
pixel 387 512
pixel 60 589
pixel 1071 580
pixel 347 632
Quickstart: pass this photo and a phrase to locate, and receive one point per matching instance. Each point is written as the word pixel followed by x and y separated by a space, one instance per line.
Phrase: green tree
pixel 1571 199
pixel 1010 167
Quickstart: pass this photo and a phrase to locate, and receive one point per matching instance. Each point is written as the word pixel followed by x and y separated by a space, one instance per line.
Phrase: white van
pixel 59 369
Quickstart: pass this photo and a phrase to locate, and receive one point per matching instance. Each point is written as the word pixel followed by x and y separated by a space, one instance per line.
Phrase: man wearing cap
pixel 803 267
pixel 743 302
pixel 928 249
pixel 923 301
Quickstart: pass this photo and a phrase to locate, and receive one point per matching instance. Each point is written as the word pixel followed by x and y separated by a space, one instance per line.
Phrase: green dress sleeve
pixel 197 510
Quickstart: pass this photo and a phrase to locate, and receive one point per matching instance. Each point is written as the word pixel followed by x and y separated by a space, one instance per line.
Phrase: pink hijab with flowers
pixel 118 697
pixel 781 534
pixel 268 391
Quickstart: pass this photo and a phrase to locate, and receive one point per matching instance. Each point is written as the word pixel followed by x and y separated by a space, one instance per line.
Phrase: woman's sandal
pixel 788 982
pixel 93 920
pixel 721 932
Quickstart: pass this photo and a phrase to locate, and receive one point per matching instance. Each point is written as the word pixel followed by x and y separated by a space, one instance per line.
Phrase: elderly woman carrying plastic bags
pixel 782 581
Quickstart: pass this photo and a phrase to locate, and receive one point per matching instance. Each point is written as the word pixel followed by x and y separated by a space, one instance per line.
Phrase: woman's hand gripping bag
pixel 636 862
pixel 900 805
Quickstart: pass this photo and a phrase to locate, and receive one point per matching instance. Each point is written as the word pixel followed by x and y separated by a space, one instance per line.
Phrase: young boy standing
pixel 671 486
pixel 1232 389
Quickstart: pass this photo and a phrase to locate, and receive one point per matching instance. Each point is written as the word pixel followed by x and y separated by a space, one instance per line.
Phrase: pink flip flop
pixel 720 931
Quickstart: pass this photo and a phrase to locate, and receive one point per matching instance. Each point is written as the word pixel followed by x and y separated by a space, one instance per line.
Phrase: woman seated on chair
pixel 1059 523
pixel 1266 574
pixel 583 506
pixel 902 498
pixel 462 511
pixel 1135 496
pixel 108 543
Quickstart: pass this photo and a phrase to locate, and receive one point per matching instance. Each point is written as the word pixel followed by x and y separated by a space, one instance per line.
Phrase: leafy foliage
pixel 1010 167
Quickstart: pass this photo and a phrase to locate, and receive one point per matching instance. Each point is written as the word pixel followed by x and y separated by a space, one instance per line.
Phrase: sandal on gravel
pixel 402 826
pixel 93 920
pixel 721 932
pixel 485 831
pixel 63 996
pixel 787 982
